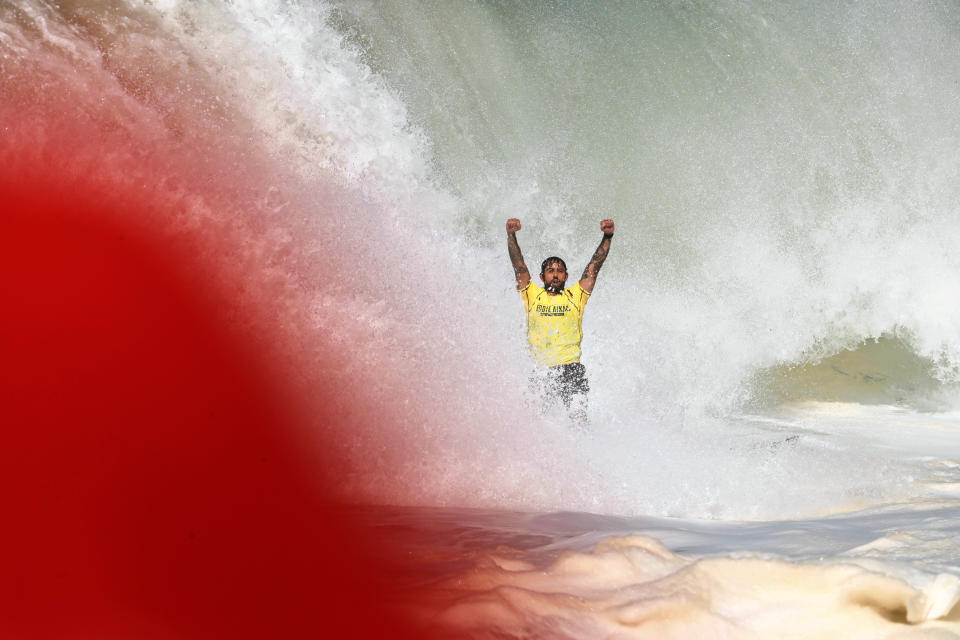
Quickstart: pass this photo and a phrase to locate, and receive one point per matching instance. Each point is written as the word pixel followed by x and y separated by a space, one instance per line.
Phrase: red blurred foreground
pixel 149 482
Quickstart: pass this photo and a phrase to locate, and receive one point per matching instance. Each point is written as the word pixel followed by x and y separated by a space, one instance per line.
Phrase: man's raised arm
pixel 516 258
pixel 589 278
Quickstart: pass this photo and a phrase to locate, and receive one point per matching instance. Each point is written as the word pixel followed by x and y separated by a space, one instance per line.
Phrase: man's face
pixel 554 277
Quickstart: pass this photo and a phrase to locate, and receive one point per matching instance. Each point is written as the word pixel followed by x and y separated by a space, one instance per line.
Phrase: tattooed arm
pixel 516 258
pixel 589 278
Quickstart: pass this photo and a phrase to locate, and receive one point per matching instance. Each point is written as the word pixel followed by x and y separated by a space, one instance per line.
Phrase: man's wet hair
pixel 543 267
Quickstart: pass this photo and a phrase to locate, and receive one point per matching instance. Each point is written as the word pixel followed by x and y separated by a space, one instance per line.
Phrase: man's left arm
pixel 589 277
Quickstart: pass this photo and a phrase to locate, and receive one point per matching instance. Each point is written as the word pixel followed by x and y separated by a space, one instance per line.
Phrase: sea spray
pixel 759 180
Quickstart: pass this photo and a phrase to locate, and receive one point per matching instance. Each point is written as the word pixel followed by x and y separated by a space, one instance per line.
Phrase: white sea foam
pixel 635 588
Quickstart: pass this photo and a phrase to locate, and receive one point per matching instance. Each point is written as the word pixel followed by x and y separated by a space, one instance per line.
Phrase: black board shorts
pixel 566 381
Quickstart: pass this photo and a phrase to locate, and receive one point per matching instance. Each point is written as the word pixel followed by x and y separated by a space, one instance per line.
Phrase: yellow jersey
pixel 554 323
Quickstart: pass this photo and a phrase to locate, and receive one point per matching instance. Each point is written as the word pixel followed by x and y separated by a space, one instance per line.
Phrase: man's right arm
pixel 516 257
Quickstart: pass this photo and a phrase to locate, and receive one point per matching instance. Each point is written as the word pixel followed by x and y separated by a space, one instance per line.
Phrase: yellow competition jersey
pixel 554 323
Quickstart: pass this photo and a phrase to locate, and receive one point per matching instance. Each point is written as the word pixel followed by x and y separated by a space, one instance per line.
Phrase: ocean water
pixel 773 345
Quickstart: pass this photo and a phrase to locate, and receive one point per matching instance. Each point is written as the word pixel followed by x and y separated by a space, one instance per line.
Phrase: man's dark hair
pixel 543 267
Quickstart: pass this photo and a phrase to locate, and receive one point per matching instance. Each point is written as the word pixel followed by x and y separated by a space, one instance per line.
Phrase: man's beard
pixel 555 288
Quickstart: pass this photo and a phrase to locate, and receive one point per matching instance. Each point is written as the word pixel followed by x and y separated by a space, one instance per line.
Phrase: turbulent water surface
pixel 773 345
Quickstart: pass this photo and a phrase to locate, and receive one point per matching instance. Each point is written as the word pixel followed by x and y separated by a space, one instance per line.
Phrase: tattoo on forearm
pixel 516 257
pixel 593 267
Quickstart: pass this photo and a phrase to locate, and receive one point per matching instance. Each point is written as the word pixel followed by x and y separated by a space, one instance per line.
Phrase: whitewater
pixel 773 344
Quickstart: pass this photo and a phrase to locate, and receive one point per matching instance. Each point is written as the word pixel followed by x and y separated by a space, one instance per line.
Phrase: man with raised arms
pixel 555 320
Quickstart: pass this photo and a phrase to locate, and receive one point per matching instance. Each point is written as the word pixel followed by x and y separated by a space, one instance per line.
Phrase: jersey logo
pixel 552 310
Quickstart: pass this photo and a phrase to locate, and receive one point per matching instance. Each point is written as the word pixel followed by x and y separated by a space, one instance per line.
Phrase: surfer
pixel 555 321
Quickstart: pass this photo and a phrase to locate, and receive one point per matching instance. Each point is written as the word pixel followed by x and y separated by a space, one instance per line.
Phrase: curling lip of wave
pixel 881 371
